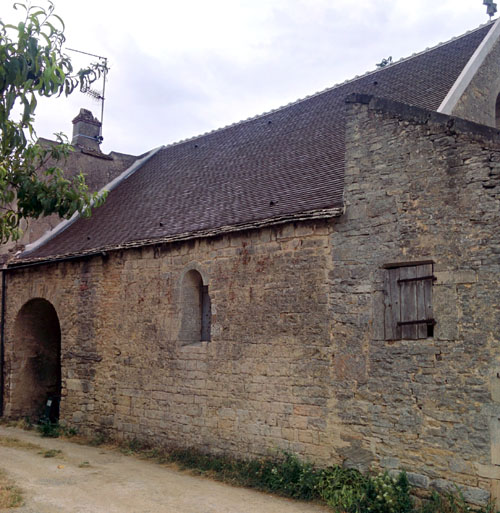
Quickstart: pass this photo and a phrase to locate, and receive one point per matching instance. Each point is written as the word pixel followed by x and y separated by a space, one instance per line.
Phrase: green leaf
pixel 31 63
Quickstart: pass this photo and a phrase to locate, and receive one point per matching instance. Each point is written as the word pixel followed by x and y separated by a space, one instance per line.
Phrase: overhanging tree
pixel 33 64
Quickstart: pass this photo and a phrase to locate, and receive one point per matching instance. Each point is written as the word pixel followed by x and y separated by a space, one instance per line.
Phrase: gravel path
pixel 84 479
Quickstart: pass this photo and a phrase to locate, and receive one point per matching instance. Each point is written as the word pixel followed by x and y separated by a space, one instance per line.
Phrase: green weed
pixel 452 503
pixel 54 430
pixel 343 490
pixel 51 453
pixel 10 495
pixel 98 440
pixel 49 429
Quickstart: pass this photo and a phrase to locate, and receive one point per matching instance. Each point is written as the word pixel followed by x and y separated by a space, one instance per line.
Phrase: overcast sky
pixel 181 68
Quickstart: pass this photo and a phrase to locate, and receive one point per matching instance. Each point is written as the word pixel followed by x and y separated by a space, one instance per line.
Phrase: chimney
pixel 86 131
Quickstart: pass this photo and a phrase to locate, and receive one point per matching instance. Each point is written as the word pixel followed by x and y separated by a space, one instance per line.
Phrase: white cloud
pixel 181 68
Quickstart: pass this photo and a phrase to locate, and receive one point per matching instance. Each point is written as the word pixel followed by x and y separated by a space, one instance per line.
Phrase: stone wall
pixel 259 384
pixel 419 186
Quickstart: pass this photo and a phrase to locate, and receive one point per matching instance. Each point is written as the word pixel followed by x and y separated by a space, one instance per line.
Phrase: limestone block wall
pixel 261 383
pixel 419 186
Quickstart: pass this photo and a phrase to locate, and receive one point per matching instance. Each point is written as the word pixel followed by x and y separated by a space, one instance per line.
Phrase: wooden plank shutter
pixel 424 298
pixel 408 302
pixel 408 292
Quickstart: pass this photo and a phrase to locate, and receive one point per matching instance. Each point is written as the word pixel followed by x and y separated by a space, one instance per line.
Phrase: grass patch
pixel 84 464
pixel 24 423
pixel 7 441
pixel 98 440
pixel 343 490
pixel 10 495
pixel 54 430
pixel 51 453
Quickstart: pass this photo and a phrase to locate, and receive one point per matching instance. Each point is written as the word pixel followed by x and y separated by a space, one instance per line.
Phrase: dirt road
pixel 82 479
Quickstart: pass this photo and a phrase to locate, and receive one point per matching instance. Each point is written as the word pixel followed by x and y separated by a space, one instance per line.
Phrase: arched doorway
pixel 36 369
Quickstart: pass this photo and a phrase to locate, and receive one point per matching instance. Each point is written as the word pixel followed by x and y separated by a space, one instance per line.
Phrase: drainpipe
pixel 2 338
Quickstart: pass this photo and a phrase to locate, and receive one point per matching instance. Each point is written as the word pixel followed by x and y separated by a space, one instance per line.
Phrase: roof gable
pixel 449 104
pixel 280 165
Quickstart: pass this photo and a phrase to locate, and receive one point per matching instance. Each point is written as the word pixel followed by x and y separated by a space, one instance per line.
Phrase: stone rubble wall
pixel 419 186
pixel 259 385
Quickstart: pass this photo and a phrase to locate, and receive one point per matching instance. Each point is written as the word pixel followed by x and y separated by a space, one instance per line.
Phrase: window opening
pixel 196 309
pixel 408 302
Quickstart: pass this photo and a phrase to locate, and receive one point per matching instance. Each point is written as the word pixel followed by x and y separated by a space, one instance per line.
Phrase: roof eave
pixel 324 213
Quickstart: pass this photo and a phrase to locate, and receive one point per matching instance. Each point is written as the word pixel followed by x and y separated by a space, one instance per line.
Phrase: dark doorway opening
pixel 36 368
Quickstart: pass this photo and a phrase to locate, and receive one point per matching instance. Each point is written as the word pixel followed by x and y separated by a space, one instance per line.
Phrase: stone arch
pixel 195 308
pixel 36 369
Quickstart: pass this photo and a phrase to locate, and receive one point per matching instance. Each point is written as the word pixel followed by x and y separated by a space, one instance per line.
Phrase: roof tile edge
pixel 311 215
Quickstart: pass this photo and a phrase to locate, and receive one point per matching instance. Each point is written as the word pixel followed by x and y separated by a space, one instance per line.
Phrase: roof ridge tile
pixel 326 89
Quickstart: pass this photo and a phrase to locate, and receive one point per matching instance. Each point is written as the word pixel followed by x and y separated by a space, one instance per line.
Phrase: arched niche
pixel 195 309
pixel 36 369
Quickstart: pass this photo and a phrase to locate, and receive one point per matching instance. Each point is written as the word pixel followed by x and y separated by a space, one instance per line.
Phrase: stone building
pixel 323 278
pixel 85 157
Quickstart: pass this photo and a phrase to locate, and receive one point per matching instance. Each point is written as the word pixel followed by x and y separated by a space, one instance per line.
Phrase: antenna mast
pixel 96 94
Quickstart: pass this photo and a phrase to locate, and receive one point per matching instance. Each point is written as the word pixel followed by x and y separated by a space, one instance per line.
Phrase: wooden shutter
pixel 408 302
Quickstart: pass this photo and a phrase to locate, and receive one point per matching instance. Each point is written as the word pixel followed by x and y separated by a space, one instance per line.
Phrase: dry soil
pixel 82 479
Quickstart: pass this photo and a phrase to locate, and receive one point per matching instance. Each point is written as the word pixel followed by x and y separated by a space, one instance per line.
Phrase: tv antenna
pixel 491 9
pixel 93 93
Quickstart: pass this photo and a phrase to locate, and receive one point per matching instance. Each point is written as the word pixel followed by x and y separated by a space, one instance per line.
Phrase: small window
pixel 408 301
pixel 195 309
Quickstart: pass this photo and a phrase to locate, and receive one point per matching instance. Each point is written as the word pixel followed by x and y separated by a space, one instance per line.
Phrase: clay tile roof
pixel 284 164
